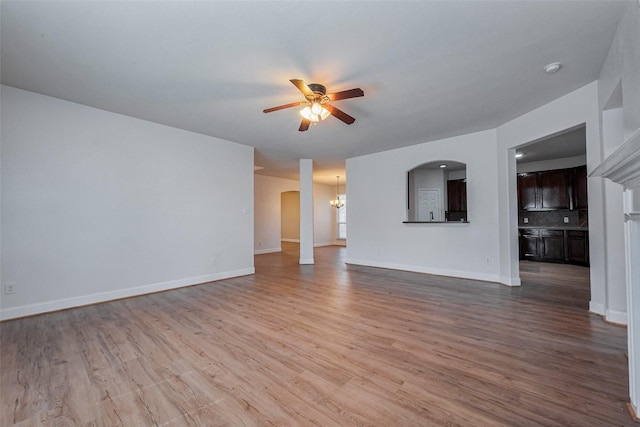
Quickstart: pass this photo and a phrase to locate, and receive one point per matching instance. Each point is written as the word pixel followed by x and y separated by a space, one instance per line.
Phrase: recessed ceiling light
pixel 519 155
pixel 553 67
pixel 443 166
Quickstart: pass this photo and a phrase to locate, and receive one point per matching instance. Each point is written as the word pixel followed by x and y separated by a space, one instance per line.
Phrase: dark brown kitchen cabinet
pixel 529 244
pixel 578 247
pixel 579 187
pixel 457 195
pixel 554 189
pixel 544 191
pixel 551 245
pixel 528 191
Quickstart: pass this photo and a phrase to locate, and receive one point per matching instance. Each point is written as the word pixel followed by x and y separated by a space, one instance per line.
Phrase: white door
pixel 429 205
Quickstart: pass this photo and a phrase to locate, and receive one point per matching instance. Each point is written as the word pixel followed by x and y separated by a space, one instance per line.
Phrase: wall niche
pixel 437 192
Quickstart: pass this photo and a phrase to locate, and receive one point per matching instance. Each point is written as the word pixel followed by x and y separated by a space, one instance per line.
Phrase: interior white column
pixel 632 240
pixel 623 167
pixel 306 211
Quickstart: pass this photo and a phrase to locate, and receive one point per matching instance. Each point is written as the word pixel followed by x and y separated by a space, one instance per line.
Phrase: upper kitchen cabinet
pixel 457 195
pixel 554 189
pixel 579 180
pixel 528 191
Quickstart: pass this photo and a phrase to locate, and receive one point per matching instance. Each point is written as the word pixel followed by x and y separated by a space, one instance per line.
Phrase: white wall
pixel 268 213
pixel 377 209
pixel 612 130
pixel 616 297
pixel 97 205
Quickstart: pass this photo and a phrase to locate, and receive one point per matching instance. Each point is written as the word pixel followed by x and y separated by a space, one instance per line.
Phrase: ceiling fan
pixel 317 106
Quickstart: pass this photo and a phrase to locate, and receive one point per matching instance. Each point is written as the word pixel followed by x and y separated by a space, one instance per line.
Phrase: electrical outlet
pixel 213 261
pixel 566 220
pixel 10 288
pixel 526 220
pixel 488 261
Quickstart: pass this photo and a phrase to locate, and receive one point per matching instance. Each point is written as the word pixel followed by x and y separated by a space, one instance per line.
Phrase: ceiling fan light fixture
pixel 308 114
pixel 315 112
pixel 316 105
pixel 316 108
pixel 324 113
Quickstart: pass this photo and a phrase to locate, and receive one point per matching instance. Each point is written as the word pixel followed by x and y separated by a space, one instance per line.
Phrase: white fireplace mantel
pixel 623 165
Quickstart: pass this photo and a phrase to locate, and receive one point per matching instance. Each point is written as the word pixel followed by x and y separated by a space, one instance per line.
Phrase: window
pixel 341 218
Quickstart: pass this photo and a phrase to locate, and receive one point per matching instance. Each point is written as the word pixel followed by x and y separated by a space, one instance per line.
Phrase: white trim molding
pixel 266 251
pixel 623 165
pixel 427 270
pixel 617 317
pixel 79 301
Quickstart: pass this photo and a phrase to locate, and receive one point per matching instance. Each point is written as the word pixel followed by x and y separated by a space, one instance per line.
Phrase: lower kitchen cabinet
pixel 553 245
pixel 578 247
pixel 529 243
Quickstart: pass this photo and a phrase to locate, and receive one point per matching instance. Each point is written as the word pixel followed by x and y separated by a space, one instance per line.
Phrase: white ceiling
pixel 570 143
pixel 429 69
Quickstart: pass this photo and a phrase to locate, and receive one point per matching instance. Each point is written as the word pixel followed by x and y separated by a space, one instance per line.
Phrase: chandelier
pixel 337 203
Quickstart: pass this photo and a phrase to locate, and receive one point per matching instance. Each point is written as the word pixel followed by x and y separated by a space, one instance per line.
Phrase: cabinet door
pixel 529 244
pixel 552 245
pixel 453 198
pixel 457 195
pixel 580 188
pixel 578 247
pixel 554 189
pixel 527 191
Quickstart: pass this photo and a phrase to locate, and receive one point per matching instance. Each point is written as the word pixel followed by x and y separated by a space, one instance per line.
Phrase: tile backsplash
pixel 577 218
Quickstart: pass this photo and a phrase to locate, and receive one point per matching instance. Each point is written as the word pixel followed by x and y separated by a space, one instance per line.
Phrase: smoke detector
pixel 552 68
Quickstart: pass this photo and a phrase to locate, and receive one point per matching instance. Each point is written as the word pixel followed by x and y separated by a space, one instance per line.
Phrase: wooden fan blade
pixel 346 94
pixel 304 125
pixel 282 107
pixel 338 114
pixel 302 87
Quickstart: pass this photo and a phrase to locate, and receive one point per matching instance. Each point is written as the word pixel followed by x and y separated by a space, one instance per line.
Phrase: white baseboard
pixel 306 261
pixel 427 270
pixel 61 304
pixel 318 245
pixel 596 308
pixel 510 281
pixel 267 251
pixel 619 317
pixel 290 240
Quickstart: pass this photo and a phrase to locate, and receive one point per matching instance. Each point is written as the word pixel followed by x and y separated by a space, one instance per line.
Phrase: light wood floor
pixel 327 345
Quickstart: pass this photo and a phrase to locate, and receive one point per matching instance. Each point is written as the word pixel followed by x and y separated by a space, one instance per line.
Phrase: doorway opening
pixel 290 216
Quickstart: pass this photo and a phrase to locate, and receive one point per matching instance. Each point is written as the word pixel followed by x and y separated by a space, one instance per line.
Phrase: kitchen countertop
pixel 555 227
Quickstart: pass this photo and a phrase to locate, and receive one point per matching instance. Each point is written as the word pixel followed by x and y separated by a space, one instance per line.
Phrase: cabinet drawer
pixel 551 233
